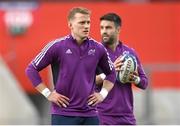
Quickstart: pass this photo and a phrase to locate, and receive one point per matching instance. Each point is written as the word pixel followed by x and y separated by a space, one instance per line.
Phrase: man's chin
pixel 84 37
pixel 105 40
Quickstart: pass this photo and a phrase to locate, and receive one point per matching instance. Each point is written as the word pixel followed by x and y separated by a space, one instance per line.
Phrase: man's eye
pixel 82 22
pixel 108 27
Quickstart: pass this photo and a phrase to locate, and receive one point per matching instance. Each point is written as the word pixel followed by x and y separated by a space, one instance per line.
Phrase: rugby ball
pixel 129 65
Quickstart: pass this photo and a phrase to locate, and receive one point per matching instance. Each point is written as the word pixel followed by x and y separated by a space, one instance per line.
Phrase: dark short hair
pixel 75 10
pixel 112 17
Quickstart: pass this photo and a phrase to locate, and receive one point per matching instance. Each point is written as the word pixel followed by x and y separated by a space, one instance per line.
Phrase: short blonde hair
pixel 75 10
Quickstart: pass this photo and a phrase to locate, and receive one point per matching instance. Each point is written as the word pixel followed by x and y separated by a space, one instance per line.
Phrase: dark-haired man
pixel 117 108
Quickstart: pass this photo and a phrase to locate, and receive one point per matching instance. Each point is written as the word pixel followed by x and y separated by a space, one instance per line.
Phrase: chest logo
pixel 68 51
pixel 91 52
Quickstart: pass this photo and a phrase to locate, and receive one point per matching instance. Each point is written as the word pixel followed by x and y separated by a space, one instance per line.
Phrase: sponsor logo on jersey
pixel 68 51
pixel 91 52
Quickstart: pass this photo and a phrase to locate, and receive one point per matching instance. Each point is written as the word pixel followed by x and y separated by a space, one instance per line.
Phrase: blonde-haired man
pixel 73 59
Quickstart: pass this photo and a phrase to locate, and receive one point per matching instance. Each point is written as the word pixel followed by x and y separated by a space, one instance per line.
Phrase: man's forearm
pixel 108 85
pixel 100 78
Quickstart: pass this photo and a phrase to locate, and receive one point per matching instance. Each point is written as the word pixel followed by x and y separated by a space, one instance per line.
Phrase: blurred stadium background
pixel 152 27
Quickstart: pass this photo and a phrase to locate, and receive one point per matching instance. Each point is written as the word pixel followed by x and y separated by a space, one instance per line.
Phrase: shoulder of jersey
pixel 96 43
pixel 128 48
pixel 59 41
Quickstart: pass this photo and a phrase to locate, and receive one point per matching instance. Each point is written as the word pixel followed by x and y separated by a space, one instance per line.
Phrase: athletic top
pixel 74 71
pixel 117 108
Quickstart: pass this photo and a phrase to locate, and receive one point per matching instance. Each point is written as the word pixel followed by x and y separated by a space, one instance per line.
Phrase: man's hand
pixel 60 100
pixel 118 63
pixel 134 78
pixel 95 98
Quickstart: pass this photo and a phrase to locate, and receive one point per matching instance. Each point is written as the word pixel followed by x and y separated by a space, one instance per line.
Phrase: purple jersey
pixel 73 68
pixel 117 108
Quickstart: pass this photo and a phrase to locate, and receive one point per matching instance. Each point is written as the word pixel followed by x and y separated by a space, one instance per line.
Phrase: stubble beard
pixel 110 41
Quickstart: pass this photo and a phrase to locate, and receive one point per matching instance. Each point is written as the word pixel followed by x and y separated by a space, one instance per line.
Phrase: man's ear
pixel 119 29
pixel 69 24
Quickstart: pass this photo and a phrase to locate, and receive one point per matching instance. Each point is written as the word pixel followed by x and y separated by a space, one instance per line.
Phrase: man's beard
pixel 110 41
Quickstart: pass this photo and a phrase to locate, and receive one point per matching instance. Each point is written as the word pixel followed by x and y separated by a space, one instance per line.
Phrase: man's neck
pixel 78 39
pixel 113 46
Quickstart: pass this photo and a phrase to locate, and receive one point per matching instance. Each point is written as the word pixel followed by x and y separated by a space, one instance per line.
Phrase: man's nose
pixel 103 31
pixel 87 25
